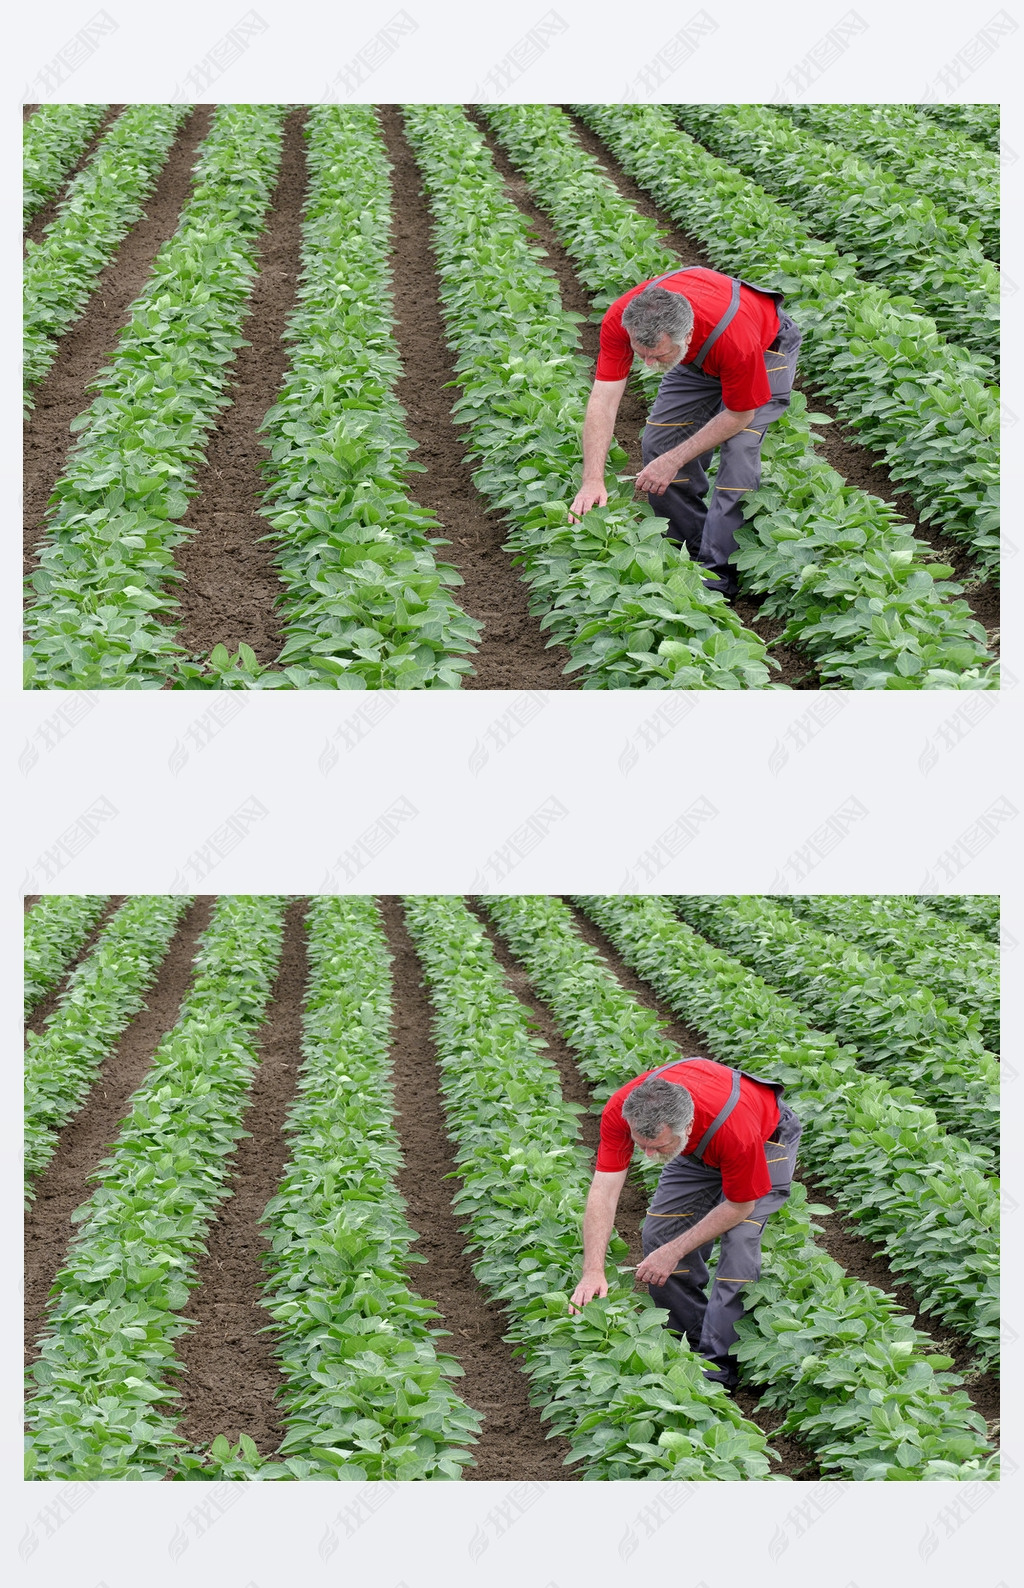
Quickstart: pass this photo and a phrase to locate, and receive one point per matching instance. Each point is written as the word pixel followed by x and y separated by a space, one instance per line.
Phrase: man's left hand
pixel 655 1268
pixel 657 475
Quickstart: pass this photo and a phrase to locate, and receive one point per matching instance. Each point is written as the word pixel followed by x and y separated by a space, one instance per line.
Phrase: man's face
pixel 666 1144
pixel 664 356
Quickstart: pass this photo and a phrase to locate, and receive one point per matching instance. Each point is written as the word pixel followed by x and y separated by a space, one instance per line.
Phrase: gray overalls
pixel 686 400
pixel 689 1189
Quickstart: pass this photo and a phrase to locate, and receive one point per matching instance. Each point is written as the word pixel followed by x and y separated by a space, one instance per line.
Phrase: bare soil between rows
pixel 231 1379
pixel 44 1009
pixel 231 586
pixel 83 351
pixel 838 1235
pixel 231 1382
pixel 513 1443
pixel 513 651
pixel 838 444
pixel 87 1138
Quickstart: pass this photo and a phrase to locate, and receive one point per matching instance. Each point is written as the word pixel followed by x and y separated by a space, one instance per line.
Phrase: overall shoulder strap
pixel 722 1115
pixel 734 303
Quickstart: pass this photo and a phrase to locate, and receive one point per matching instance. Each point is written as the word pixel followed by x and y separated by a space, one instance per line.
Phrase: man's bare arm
pixel 598 430
pixel 598 1223
pixel 655 1268
pixel 657 475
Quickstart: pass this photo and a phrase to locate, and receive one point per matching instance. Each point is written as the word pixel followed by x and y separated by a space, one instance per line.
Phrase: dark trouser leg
pixel 686 1192
pixel 739 1258
pixel 686 400
pixel 739 467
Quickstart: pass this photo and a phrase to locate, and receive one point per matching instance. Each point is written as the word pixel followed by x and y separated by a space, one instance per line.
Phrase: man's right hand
pixel 586 497
pixel 590 1285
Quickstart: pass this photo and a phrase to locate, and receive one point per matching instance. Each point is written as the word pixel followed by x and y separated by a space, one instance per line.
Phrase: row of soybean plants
pixel 979 912
pixel 897 1027
pixel 939 954
pixel 913 246
pixel 919 401
pixel 850 579
pixel 365 1392
pixel 102 204
pixel 102 994
pixel 99 617
pixel 924 1194
pixel 631 1400
pixel 366 604
pixel 631 608
pixel 53 141
pixel 978 122
pixel 859 1384
pixel 103 1396
pixel 939 162
pixel 55 930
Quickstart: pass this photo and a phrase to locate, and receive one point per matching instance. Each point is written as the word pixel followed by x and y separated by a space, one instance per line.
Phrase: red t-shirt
pixel 737 1147
pixel 736 359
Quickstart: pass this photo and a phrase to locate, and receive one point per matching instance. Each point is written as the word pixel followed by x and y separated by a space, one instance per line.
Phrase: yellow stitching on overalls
pixel 728 1279
pixel 734 487
pixel 751 1221
pixel 686 1215
pixel 748 430
pixel 783 1159
pixel 669 424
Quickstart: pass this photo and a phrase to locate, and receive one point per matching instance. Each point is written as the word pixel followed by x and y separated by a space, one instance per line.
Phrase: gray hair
pixel 654 313
pixel 655 1103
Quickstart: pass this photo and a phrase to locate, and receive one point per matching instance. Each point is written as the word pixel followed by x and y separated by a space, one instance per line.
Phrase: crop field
pixel 304 390
pixel 305 1176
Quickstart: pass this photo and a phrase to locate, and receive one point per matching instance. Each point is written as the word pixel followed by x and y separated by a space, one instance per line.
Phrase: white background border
pixel 482 790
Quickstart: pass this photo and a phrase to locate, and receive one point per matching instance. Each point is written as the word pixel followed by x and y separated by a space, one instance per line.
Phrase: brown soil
pixel 30 900
pixel 42 218
pixel 44 1009
pixel 231 584
pixel 231 1379
pixel 513 651
pixel 854 1254
pixel 795 669
pixel 64 1184
pixel 512 1444
pixel 86 346
pixel 28 110
pixel 838 445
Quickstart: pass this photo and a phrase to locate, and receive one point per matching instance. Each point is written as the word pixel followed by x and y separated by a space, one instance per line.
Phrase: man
pixel 729 1146
pixel 729 353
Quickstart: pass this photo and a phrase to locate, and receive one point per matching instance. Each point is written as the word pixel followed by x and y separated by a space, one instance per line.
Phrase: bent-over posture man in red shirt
pixel 730 356
pixel 729 1146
